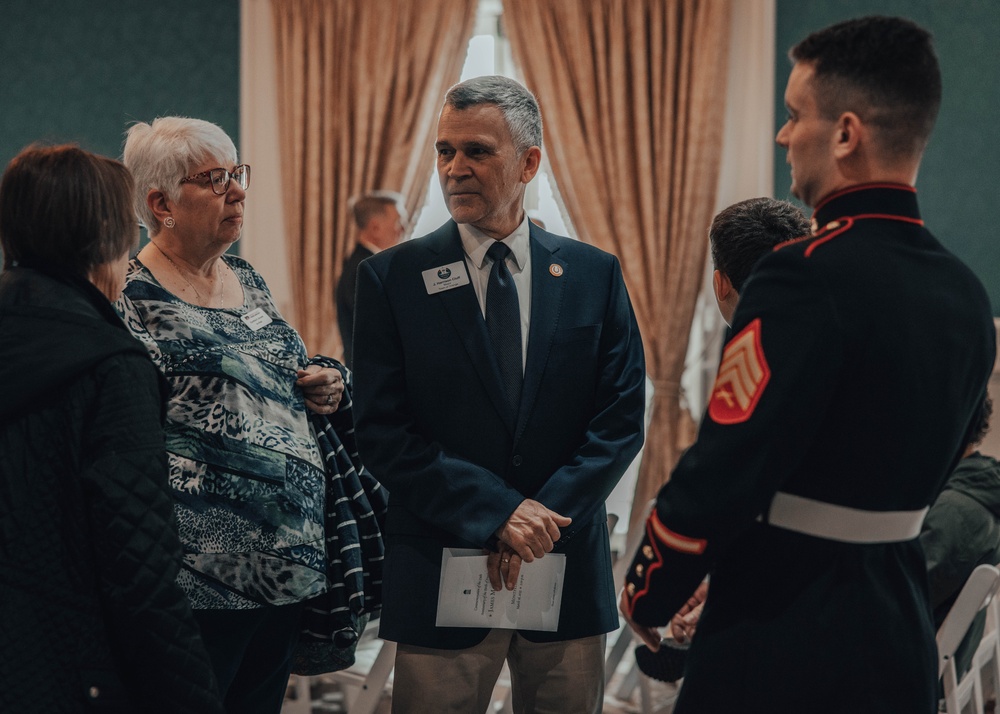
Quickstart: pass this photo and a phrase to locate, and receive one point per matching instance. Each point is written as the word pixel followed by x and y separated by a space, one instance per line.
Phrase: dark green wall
pixel 81 70
pixel 960 175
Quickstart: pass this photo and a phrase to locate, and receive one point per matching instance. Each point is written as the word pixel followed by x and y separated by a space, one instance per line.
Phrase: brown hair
pixel 741 234
pixel 66 207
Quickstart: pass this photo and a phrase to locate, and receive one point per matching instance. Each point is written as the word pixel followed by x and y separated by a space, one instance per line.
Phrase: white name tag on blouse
pixel 256 319
pixel 446 277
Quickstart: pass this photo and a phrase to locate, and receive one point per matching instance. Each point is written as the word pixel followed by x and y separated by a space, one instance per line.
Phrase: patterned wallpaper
pixel 81 70
pixel 959 181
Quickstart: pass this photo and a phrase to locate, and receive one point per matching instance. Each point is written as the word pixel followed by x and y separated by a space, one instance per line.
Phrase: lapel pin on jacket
pixel 556 270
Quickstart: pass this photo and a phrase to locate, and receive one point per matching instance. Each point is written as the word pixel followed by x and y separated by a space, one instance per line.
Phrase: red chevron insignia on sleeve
pixel 743 374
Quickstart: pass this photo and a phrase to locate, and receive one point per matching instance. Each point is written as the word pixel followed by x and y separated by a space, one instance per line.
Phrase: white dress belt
pixel 841 523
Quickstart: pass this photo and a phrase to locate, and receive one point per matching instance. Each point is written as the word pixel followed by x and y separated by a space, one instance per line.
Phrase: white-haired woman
pixel 246 472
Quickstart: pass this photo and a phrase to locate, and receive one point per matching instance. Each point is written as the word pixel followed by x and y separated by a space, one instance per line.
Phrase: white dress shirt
pixel 475 243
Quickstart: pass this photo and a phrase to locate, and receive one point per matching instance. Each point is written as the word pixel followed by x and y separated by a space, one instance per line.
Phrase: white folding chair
pixel 623 640
pixel 987 658
pixel 965 695
pixel 363 684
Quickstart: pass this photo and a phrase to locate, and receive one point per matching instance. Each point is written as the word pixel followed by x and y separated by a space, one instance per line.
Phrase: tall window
pixel 489 53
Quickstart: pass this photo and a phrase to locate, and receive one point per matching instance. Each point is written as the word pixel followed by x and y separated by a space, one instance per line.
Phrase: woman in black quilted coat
pixel 91 619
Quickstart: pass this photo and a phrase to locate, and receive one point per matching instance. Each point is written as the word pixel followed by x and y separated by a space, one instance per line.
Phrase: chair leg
pixel 374 685
pixel 617 653
pixel 302 704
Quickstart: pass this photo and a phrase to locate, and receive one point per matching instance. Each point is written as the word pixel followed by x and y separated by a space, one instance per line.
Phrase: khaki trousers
pixel 546 677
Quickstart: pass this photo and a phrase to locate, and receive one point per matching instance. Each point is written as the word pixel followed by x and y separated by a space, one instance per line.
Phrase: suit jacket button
pixel 94 692
pixel 516 461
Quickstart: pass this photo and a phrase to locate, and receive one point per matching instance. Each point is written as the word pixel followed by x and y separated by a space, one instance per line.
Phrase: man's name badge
pixel 446 277
pixel 256 319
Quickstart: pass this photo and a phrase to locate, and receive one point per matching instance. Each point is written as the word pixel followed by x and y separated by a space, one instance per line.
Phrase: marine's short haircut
pixel 742 233
pixel 885 70
pixel 518 106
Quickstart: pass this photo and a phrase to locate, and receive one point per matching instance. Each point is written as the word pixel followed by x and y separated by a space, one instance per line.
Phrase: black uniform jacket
pixel 91 619
pixel 435 428
pixel 858 359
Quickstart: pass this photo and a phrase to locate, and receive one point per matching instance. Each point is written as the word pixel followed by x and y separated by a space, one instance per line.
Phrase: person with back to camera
pixel 962 531
pixel 740 235
pixel 381 220
pixel 860 356
pixel 91 617
pixel 245 467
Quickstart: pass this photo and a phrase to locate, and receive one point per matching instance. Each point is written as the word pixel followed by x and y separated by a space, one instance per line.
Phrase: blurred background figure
pixel 246 470
pixel 381 220
pixel 962 531
pixel 92 617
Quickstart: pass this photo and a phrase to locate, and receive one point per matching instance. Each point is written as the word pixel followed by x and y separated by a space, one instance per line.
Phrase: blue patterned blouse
pixel 245 468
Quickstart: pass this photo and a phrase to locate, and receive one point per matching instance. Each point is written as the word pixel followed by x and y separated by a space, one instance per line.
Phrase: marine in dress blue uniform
pixel 859 356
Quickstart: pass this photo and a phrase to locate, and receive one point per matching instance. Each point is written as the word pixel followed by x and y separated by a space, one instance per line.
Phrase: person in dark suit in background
pixel 860 356
pixel 381 220
pixel 500 388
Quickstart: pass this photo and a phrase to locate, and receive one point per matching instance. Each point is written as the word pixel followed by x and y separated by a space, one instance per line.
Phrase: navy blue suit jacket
pixel 432 423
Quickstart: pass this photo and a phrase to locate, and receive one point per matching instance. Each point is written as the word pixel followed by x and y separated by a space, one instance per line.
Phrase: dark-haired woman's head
pixel 71 210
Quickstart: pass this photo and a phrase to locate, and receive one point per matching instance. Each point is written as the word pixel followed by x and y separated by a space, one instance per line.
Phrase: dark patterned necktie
pixel 503 323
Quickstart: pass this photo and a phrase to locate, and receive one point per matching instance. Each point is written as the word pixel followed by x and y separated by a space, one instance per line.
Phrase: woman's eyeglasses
pixel 219 179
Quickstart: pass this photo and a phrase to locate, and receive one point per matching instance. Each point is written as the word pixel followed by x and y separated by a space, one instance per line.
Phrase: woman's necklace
pixel 197 292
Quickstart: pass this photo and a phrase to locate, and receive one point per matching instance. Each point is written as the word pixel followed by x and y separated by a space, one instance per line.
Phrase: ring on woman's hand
pixel 505 560
pixel 329 399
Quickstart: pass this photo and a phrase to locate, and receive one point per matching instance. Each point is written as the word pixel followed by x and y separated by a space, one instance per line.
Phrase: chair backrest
pixel 986 660
pixel 966 695
pixel 976 594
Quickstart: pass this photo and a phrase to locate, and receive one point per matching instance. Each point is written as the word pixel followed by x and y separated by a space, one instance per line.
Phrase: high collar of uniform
pixel 883 200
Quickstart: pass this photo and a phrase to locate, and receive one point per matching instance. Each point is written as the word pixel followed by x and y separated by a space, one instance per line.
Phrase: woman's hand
pixel 322 387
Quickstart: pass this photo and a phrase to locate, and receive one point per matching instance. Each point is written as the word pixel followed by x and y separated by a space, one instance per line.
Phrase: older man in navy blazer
pixel 500 393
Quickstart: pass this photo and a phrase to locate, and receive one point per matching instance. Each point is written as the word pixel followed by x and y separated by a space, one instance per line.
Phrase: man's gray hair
pixel 518 106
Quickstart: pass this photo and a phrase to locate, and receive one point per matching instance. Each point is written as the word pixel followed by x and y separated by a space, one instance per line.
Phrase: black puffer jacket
pixel 91 618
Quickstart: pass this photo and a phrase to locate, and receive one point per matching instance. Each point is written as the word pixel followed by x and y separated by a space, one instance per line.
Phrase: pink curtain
pixel 360 86
pixel 632 93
